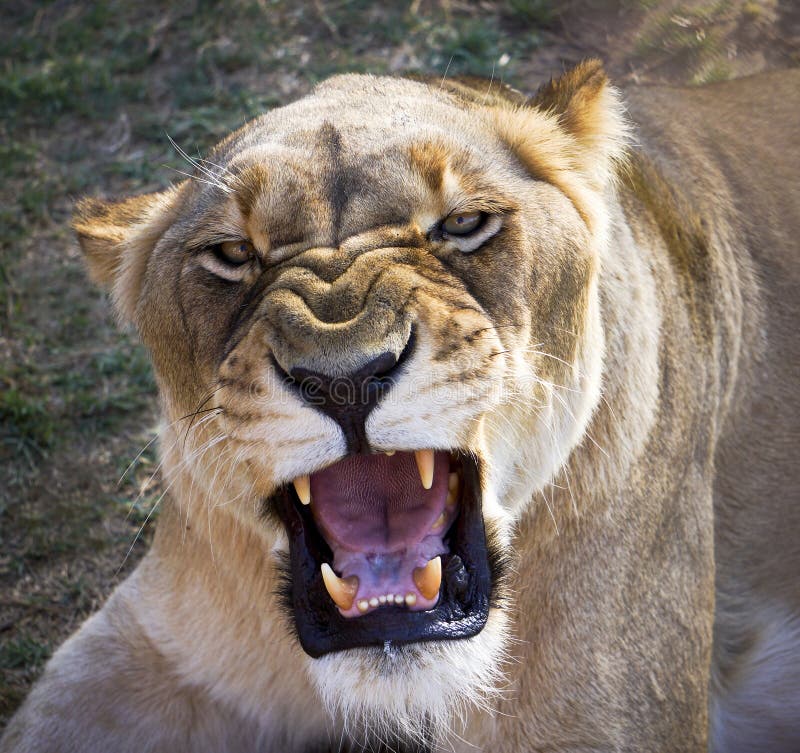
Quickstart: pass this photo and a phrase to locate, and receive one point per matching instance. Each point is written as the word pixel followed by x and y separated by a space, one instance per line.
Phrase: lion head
pixel 374 319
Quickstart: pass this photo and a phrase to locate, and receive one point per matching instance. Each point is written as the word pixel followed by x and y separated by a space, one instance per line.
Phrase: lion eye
pixel 463 223
pixel 235 253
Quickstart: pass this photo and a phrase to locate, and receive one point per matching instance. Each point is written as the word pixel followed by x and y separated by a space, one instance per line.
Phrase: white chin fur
pixel 421 691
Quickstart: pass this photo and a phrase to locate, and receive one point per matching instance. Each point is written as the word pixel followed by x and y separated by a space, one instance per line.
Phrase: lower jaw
pixel 464 600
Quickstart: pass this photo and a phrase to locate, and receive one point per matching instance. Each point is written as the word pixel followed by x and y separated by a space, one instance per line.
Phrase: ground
pixel 89 92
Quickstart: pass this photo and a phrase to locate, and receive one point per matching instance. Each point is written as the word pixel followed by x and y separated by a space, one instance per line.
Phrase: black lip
pixel 464 601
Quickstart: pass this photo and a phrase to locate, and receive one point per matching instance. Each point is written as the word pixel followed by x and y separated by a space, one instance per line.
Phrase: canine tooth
pixel 302 485
pixel 341 590
pixel 398 599
pixel 452 482
pixel 373 602
pixel 411 599
pixel 428 579
pixel 363 605
pixel 439 522
pixel 425 467
pixel 382 599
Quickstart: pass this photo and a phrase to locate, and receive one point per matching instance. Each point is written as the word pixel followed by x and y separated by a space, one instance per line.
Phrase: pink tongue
pixel 376 503
pixel 379 520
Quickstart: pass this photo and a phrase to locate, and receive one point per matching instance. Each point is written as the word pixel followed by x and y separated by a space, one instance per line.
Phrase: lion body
pixel 653 528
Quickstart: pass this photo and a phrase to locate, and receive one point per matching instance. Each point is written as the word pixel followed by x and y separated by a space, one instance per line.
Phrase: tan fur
pixel 620 356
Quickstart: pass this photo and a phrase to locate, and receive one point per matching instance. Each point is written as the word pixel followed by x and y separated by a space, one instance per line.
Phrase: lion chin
pixel 477 411
pixel 418 694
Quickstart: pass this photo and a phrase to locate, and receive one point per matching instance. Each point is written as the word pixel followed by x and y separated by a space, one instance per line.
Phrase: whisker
pixel 444 76
pixel 213 178
pixel 155 505
pixel 489 88
pixel 153 439
pixel 550 510
pixel 226 189
pixel 198 410
pixel 164 454
pixel 138 455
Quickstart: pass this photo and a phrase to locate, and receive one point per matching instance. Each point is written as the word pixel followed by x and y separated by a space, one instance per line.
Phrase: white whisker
pixel 213 178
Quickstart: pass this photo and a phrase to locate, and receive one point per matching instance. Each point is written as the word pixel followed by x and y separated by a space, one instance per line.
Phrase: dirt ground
pixel 89 92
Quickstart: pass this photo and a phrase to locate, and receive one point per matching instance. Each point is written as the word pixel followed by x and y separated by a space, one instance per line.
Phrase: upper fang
pixel 425 467
pixel 302 485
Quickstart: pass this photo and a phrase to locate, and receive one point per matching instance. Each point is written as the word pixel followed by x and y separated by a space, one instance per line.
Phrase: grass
pixel 684 30
pixel 702 38
pixel 23 652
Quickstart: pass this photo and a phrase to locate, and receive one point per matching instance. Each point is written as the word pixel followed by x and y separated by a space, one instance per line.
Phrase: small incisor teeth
pixel 363 605
pixel 428 579
pixel 425 467
pixel 411 599
pixel 341 590
pixel 302 485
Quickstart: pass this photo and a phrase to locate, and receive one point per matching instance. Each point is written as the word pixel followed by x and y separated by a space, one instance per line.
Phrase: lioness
pixel 480 429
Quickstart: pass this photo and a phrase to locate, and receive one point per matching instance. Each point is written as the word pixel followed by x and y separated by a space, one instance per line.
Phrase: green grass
pixel 27 425
pixel 687 33
pixel 23 652
pixel 533 12
pixel 712 72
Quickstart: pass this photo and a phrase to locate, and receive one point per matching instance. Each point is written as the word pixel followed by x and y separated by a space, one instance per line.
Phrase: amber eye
pixel 235 253
pixel 463 223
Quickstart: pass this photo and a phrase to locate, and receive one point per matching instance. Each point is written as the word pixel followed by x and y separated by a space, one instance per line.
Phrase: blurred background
pixel 89 92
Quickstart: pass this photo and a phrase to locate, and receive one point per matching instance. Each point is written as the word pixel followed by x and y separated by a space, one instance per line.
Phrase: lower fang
pixel 341 590
pixel 428 579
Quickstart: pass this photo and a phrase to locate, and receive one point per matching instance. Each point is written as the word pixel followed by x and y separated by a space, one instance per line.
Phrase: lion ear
pixel 590 110
pixel 117 237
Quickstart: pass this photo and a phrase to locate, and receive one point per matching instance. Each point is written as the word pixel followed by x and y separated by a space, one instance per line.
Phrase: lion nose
pixel 348 399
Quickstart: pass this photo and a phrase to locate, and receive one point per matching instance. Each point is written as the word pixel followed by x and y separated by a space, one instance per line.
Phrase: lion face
pixel 378 306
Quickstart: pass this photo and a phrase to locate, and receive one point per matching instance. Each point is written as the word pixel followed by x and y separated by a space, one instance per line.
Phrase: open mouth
pixel 386 548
